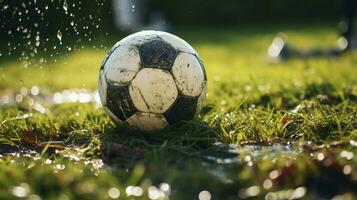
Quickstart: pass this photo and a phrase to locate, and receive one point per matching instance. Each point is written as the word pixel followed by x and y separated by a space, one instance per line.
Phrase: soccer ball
pixel 151 79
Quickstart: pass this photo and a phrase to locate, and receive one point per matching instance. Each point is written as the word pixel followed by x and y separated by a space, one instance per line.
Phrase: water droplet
pixel 65 6
pixel 134 191
pixel 60 166
pixel 21 191
pixel 59 35
pixel 35 90
pixel 267 184
pixel 155 193
pixel 347 169
pixel 346 154
pixel 19 98
pixel 165 187
pixel 204 195
pixel 114 193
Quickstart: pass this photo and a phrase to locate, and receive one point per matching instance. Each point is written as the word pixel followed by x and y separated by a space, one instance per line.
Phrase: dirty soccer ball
pixel 151 79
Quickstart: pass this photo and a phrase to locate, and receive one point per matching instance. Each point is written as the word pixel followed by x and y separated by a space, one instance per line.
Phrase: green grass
pixel 295 124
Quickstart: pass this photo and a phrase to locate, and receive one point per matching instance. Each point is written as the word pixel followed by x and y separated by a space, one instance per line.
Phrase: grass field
pixel 273 131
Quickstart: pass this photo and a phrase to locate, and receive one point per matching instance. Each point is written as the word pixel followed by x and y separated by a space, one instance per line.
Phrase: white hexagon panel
pixel 122 65
pixel 188 74
pixel 153 90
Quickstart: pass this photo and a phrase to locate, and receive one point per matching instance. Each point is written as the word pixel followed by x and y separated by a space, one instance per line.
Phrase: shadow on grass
pixel 186 139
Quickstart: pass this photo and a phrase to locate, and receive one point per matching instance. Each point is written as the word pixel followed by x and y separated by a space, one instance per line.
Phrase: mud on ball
pixel 151 79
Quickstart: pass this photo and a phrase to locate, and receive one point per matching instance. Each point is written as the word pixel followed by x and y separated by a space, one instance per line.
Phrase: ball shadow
pixel 121 146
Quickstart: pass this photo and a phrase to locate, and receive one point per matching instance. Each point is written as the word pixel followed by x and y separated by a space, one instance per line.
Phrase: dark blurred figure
pixel 129 16
pixel 281 50
pixel 348 33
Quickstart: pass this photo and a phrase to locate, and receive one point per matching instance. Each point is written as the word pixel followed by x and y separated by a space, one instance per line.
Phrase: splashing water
pixel 28 27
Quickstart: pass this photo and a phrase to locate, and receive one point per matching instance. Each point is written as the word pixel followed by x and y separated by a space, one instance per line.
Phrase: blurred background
pixel 33 25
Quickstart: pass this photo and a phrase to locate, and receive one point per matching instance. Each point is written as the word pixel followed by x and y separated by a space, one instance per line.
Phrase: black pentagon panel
pixel 119 102
pixel 184 108
pixel 202 67
pixel 157 54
